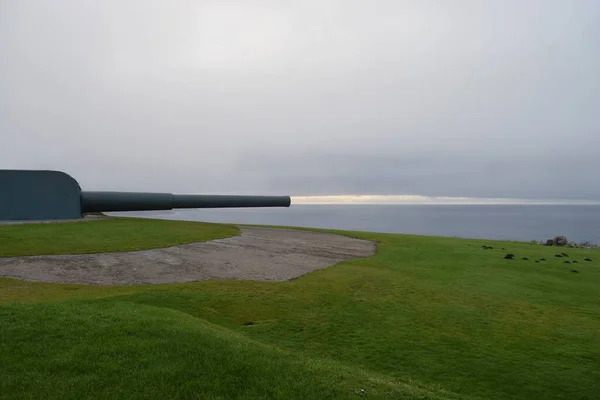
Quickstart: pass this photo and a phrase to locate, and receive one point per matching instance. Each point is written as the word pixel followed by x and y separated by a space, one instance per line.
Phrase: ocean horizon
pixel 503 222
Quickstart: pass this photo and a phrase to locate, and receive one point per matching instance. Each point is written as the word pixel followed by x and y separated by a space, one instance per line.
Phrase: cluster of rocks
pixel 561 255
pixel 485 247
pixel 511 256
pixel 562 241
pixel 557 241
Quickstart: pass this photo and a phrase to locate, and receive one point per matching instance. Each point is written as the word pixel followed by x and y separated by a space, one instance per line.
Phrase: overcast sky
pixel 467 98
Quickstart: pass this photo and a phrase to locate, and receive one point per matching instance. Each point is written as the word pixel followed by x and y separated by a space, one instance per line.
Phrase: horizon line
pixel 429 200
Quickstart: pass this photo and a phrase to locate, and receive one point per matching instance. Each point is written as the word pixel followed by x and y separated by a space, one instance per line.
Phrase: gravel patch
pixel 263 254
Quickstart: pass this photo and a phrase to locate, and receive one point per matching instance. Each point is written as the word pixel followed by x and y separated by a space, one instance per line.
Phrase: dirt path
pixel 265 254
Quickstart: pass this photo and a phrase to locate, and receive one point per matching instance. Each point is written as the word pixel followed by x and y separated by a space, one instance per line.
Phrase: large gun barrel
pixel 52 195
pixel 133 201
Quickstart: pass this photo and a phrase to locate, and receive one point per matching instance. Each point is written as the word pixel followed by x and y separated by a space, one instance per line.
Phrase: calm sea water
pixel 509 222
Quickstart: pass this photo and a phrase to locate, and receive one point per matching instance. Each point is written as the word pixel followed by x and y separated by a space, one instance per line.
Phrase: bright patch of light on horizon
pixel 417 199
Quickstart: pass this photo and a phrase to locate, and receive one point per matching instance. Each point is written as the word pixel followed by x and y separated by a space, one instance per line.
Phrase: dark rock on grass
pixel 588 259
pixel 558 255
pixel 537 261
pixel 509 256
pixel 503 248
pixel 567 262
pixel 564 254
pixel 574 262
pixel 542 259
pixel 525 258
pixel 485 247
pixel 249 323
pixel 574 270
pixel 560 241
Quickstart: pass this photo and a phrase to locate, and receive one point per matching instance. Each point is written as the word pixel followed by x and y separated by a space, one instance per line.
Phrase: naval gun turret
pixel 52 195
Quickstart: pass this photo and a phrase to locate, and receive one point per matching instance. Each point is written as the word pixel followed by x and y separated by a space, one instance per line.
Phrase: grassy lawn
pixel 96 236
pixel 426 318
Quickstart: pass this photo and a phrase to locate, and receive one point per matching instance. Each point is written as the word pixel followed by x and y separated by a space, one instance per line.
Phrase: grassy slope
pixel 425 318
pixel 114 234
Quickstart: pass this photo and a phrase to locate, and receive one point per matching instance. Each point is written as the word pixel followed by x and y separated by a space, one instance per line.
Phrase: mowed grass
pixel 112 234
pixel 425 318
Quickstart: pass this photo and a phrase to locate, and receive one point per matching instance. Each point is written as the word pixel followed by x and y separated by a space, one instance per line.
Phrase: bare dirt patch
pixel 264 254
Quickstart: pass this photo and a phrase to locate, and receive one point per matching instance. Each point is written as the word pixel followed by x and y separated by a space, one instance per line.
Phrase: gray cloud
pixel 464 98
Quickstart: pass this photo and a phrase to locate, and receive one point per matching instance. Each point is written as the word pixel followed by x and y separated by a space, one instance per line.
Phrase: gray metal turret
pixel 48 195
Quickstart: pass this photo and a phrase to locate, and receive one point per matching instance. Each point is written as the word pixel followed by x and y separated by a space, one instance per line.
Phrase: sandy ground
pixel 264 254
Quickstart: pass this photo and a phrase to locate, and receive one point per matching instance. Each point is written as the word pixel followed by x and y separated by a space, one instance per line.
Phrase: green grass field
pixel 96 236
pixel 425 318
